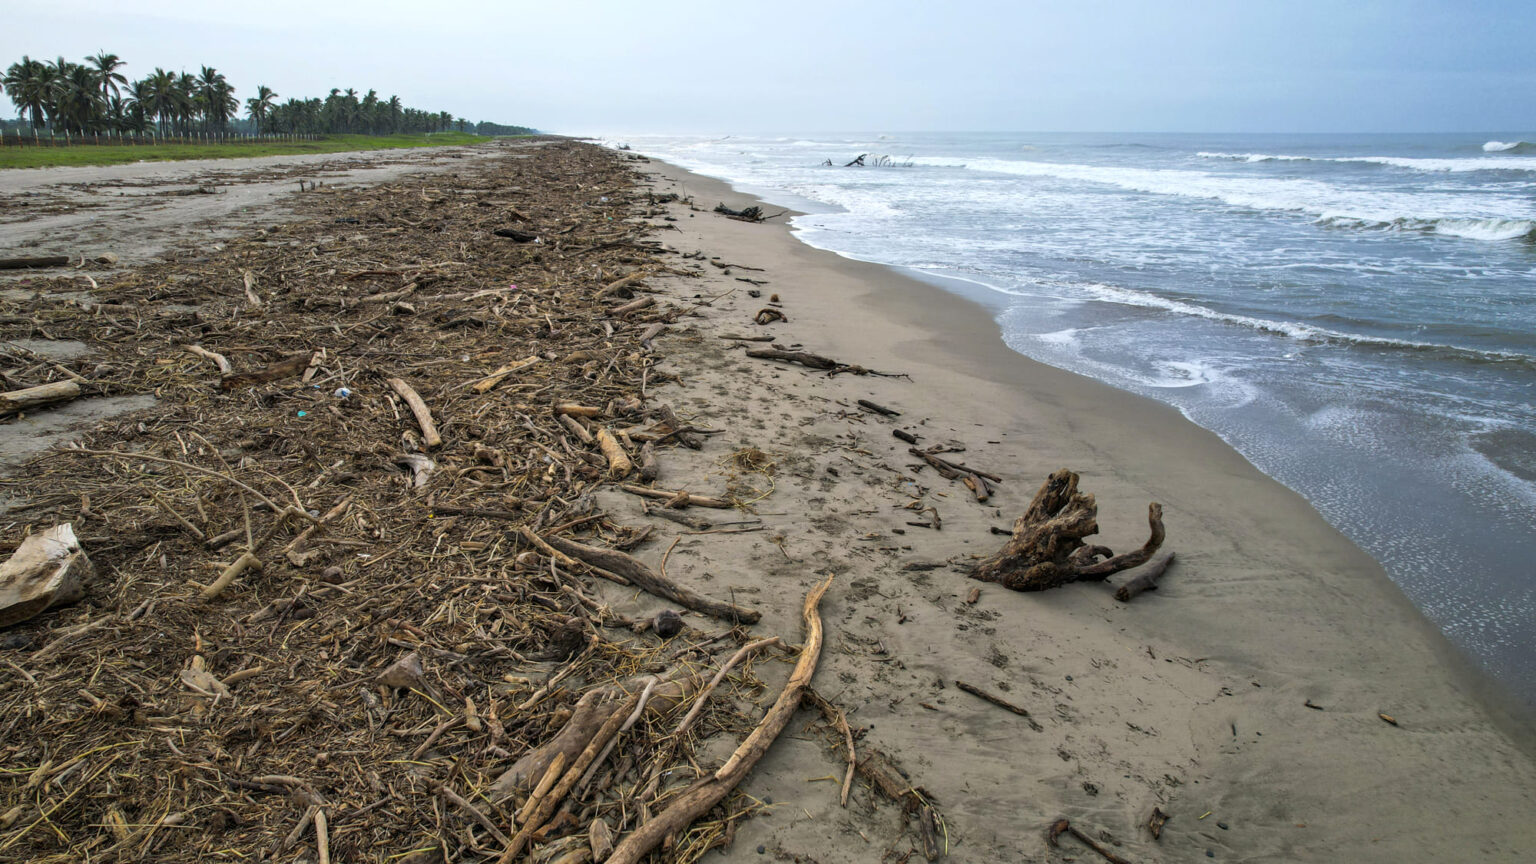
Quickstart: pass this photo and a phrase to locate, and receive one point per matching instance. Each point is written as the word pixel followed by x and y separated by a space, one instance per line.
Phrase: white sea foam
pixel 1501 146
pixel 1452 165
pixel 1462 215
pixel 1292 329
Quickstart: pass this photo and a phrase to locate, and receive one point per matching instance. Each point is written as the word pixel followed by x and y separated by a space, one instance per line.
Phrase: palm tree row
pixel 94 97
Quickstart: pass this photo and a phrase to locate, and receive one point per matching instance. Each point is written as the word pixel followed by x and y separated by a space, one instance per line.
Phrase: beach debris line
pixel 1047 549
pixel 437 618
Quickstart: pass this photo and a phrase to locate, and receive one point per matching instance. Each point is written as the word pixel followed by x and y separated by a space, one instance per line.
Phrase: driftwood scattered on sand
pixel 1047 548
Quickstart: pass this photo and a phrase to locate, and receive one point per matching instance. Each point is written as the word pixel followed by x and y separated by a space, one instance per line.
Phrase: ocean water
pixel 1354 314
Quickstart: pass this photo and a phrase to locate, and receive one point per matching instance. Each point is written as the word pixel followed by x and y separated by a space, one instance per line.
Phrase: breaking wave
pixel 1296 330
pixel 1507 146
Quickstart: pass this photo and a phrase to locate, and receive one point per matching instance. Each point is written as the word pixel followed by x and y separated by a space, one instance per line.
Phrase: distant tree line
pixel 95 97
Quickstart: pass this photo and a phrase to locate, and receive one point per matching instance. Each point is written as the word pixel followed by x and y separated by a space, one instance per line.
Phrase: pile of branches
pixel 345 567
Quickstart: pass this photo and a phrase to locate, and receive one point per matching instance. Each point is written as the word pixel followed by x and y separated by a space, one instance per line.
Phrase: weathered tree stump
pixel 1047 548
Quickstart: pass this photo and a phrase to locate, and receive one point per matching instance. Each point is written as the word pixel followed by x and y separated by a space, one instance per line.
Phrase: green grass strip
pixel 115 154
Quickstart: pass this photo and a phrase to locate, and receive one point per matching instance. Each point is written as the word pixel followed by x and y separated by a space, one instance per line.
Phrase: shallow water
pixel 1355 314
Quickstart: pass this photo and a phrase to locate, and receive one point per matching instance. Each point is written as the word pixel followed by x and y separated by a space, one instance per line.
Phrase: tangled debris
pixel 342 598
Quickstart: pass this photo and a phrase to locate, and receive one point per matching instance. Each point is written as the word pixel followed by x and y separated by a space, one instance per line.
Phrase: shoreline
pixel 1193 699
pixel 1517 713
pixel 1283 605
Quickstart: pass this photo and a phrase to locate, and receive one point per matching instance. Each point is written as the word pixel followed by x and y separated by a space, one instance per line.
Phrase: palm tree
pixel 396 113
pixel 26 82
pixel 215 98
pixel 106 72
pixel 260 106
pixel 77 101
pixel 158 96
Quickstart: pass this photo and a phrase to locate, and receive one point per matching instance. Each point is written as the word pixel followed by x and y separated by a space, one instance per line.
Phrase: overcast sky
pixel 733 66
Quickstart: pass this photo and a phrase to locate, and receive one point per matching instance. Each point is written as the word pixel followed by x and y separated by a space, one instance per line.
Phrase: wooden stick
pixel 483 384
pixel 423 414
pixel 619 464
pixel 322 836
pixel 633 306
pixel 575 427
pixel 538 814
pixel 245 562
pixel 698 703
pixel 839 719
pixel 577 410
pixel 218 360
pixel 999 702
pixel 474 812
pixel 614 561
pixel 1146 580
pixel 688 498
pixel 708 792
pixel 45 394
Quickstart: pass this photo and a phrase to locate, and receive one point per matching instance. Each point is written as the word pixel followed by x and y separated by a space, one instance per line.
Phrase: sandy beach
pixel 1243 698
pixel 1194 699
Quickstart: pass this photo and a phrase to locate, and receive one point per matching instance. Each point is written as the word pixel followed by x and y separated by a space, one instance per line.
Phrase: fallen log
pixel 429 435
pixel 516 236
pixel 1041 552
pixel 30 263
pixel 48 569
pixel 1144 581
pixel 33 397
pixel 683 809
pixel 289 367
pixel 614 561
pixel 878 408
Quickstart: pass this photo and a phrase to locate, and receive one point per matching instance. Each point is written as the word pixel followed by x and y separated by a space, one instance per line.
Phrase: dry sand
pixel 1193 698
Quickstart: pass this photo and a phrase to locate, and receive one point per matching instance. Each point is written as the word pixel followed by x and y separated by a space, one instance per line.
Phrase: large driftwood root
pixel 1047 548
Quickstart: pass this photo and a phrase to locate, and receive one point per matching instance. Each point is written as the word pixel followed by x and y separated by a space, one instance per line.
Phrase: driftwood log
pixel 1047 548
pixel 33 397
pixel 29 263
pixel 1146 580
